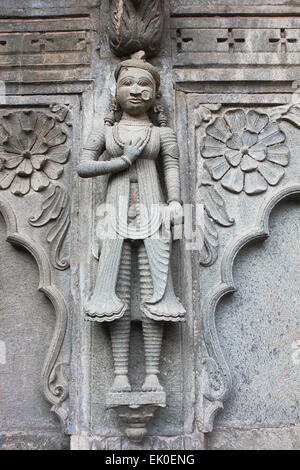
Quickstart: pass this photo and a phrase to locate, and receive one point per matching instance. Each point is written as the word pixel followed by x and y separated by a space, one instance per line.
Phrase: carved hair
pixel 137 60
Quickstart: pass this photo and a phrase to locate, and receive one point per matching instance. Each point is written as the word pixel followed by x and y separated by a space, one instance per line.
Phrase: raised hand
pixel 133 151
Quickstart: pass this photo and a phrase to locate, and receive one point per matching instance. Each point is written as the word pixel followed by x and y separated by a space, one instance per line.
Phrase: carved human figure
pixel 130 150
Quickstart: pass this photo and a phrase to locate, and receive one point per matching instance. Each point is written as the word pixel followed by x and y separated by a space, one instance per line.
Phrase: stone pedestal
pixel 135 409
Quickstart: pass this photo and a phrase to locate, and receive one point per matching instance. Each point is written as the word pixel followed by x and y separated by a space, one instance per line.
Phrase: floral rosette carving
pixel 245 151
pixel 32 151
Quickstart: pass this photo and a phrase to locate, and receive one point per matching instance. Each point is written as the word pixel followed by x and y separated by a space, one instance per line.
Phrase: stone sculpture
pixel 135 197
pixel 134 25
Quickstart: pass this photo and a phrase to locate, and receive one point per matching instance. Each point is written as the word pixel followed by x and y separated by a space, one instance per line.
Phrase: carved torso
pixel 125 132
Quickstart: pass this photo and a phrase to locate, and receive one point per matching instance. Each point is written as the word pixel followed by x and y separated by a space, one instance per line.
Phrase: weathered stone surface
pixel 280 438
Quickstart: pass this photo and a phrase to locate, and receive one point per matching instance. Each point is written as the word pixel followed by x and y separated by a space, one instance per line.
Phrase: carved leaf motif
pixel 55 207
pixel 215 206
pixel 204 113
pixel 214 212
pixel 290 113
pixel 209 251
pixel 135 26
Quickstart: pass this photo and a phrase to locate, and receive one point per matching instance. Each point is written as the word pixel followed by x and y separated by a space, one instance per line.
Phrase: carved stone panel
pixel 36 152
pixel 246 163
pixel 235 40
pixel 43 47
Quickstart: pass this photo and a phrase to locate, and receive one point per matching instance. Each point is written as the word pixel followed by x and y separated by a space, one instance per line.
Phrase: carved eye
pixel 127 82
pixel 144 83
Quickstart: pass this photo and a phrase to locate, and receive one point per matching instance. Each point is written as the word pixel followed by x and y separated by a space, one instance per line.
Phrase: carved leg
pixel 120 329
pixel 152 330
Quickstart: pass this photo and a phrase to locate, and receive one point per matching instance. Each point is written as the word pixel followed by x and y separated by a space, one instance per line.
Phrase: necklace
pixel 129 122
pixel 121 144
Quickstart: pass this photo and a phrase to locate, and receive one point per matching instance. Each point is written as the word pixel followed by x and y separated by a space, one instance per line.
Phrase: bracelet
pixel 174 199
pixel 126 159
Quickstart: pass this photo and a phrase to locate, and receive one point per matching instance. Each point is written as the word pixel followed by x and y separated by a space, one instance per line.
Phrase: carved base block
pixel 136 409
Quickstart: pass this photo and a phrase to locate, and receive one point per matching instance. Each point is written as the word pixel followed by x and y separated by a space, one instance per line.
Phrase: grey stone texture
pixel 231 372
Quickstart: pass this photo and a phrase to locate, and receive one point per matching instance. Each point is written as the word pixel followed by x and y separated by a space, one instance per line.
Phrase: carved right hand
pixel 133 151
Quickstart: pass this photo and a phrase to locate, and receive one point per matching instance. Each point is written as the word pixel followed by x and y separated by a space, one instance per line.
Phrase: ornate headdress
pixel 138 61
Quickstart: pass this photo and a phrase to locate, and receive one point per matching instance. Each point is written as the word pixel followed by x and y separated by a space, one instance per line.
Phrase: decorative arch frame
pixel 53 382
pixel 216 376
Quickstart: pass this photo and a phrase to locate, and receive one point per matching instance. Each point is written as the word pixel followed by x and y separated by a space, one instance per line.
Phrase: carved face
pixel 135 91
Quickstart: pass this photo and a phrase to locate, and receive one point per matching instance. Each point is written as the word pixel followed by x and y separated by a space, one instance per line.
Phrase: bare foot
pixel 121 384
pixel 152 384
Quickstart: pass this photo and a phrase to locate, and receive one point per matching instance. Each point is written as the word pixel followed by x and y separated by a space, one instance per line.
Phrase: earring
pixel 159 109
pixel 113 108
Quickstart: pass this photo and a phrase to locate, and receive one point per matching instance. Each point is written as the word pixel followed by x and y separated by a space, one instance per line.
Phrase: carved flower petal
pixel 39 181
pixel 234 142
pixel 248 163
pixel 28 120
pixel 27 139
pixel 233 157
pixel 233 180
pixel 11 123
pixel 39 147
pixel 235 119
pixel 271 172
pixel 211 148
pixel 6 178
pixel 258 152
pixel 25 168
pixel 38 161
pixel 217 167
pixel 218 130
pixel 278 154
pixel 20 186
pixel 12 144
pixel 256 121
pixel 59 154
pixel 254 183
pixel 12 160
pixel 53 170
pixel 55 137
pixel 271 135
pixel 44 124
pixel 3 134
pixel 249 138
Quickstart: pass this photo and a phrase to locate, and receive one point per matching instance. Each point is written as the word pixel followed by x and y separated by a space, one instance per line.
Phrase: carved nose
pixel 135 90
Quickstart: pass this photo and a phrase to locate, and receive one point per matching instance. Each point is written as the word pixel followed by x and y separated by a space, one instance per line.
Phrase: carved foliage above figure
pixel 135 25
pixel 32 151
pixel 245 151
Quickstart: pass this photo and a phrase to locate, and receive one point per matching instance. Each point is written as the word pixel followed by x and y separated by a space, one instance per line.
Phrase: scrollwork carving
pixel 55 207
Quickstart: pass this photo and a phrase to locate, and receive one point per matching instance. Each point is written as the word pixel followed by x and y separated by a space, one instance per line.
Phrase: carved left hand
pixel 176 212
